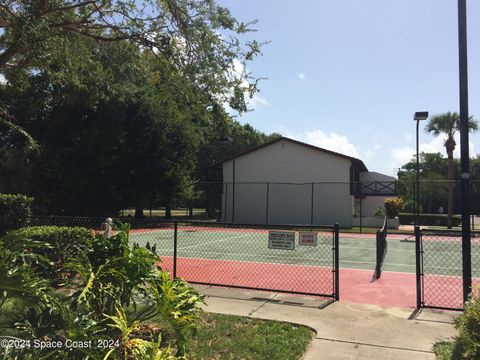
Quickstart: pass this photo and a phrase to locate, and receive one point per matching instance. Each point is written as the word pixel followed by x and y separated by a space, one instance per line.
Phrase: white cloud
pixel 402 155
pixel 331 141
pixel 302 76
pixel 3 81
pixel 238 71
pixel 257 101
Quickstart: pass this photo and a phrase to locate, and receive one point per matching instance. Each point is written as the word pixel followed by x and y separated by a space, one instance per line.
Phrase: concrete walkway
pixel 343 330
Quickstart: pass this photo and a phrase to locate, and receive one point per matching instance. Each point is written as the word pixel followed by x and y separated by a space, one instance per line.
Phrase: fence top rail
pixel 441 232
pixel 229 224
pixel 67 217
pixel 139 222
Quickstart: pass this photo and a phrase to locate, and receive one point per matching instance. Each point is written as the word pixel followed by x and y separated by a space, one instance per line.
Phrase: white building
pixel 289 182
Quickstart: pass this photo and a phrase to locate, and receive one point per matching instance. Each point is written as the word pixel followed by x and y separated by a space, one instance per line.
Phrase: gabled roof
pixel 354 161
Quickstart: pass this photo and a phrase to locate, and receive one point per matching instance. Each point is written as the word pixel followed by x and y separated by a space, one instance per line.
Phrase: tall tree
pixel 448 124
pixel 433 169
pixel 198 38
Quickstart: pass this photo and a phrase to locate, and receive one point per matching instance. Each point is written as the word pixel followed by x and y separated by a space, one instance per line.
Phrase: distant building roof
pixel 355 161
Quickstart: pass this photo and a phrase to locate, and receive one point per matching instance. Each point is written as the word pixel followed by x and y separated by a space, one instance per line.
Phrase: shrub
pixel 393 206
pixel 115 294
pixel 14 212
pixel 428 219
pixel 57 244
pixel 467 344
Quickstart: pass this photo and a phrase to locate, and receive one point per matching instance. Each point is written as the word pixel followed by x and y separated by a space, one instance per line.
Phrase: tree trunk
pixel 138 211
pixel 450 189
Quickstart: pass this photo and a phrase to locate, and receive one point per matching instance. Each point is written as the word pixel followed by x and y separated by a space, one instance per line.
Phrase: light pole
pixel 464 151
pixel 418 116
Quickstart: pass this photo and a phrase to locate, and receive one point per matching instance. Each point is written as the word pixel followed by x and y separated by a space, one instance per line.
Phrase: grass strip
pixel 235 337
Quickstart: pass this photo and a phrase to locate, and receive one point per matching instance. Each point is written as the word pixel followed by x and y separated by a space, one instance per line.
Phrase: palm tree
pixel 448 124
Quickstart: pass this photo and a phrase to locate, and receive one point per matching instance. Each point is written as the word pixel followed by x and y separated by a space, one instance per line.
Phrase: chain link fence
pixel 283 258
pixel 441 268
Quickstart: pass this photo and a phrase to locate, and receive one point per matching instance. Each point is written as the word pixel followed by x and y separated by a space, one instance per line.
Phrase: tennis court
pixel 241 257
pixel 244 257
pixel 338 263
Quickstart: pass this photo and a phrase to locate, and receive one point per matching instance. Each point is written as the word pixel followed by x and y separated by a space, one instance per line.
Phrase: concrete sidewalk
pixel 343 330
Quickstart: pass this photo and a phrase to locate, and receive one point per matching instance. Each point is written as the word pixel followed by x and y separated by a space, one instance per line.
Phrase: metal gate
pixel 292 259
pixel 440 268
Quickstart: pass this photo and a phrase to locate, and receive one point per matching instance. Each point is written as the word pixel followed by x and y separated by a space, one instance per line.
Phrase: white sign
pixel 307 238
pixel 282 240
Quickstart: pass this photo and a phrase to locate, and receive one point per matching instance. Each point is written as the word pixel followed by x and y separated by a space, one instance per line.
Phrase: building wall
pixel 290 169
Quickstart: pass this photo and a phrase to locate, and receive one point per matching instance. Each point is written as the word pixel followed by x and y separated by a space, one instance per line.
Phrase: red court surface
pixel 393 289
pixel 281 277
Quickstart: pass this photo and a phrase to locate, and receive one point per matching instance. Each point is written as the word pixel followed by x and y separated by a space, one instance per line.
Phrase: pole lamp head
pixel 420 115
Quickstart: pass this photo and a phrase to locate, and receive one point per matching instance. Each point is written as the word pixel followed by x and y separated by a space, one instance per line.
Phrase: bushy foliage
pixel 428 219
pixel 54 244
pixel 14 212
pixel 393 206
pixel 467 344
pixel 115 290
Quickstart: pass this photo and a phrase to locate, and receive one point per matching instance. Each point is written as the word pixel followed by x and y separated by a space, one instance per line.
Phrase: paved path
pixel 343 330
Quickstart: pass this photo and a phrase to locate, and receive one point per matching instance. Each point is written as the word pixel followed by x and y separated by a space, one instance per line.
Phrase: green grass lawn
pixel 219 336
pixel 236 337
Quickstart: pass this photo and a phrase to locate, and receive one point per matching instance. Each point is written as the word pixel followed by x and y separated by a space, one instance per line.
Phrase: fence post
pixel 266 208
pixel 311 206
pixel 361 215
pixel 175 228
pixel 336 262
pixel 418 269
pixel 226 203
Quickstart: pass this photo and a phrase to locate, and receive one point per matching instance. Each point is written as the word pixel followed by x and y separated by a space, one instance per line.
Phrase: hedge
pixel 14 212
pixel 429 219
pixel 57 244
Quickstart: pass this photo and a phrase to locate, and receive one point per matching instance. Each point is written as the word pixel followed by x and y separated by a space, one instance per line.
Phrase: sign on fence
pixel 282 240
pixel 307 238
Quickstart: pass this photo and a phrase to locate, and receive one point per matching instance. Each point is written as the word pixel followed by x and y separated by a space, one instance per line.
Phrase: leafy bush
pixel 467 344
pixel 53 243
pixel 14 212
pixel 393 206
pixel 115 291
pixel 429 219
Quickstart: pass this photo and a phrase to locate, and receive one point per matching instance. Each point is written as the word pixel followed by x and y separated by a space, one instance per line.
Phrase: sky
pixel 348 75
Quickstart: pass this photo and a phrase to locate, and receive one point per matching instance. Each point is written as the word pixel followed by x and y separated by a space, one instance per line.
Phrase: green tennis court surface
pixel 355 252
pixel 243 245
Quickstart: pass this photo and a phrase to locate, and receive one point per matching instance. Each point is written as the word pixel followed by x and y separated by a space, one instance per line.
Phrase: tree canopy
pixel 199 39
pixel 433 189
pixel 123 131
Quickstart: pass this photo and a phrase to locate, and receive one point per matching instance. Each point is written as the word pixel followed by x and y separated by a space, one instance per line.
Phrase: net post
pixel 336 262
pixel 418 273
pixel 175 236
pixel 378 270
